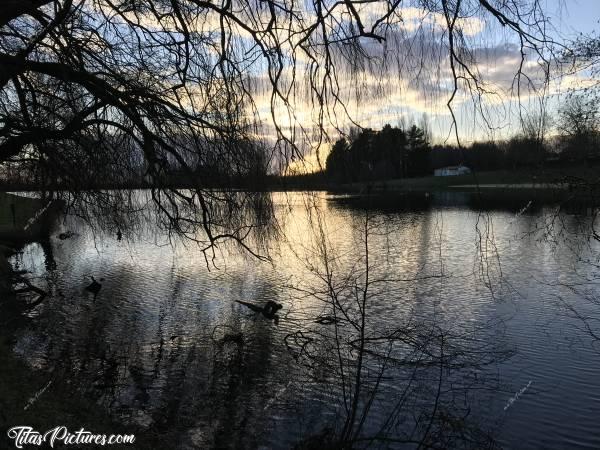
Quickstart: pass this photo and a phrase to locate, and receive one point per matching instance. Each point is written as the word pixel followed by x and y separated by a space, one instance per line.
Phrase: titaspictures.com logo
pixel 25 435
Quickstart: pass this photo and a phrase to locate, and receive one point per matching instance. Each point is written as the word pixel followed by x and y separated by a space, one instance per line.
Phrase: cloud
pixel 407 75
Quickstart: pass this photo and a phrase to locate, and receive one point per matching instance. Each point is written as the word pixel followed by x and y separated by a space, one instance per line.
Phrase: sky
pixel 574 16
pixel 407 79
pixel 409 96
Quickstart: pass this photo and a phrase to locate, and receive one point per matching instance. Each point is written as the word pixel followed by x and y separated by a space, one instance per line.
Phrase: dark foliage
pixel 373 155
pixel 397 153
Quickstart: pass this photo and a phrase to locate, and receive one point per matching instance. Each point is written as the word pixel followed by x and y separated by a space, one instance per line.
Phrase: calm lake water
pixel 166 347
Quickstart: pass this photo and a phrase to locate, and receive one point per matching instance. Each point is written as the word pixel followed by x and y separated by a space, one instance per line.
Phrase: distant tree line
pixel 390 153
pixel 397 152
pixel 233 162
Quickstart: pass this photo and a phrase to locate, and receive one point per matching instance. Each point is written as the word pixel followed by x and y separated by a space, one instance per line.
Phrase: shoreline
pixel 554 179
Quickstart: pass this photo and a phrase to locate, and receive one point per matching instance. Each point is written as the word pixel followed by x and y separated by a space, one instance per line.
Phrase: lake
pixel 465 325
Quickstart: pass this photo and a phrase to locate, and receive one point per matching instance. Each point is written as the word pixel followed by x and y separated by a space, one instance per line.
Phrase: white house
pixel 452 171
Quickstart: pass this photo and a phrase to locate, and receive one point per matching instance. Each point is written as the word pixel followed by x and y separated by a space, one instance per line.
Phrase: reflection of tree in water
pixel 150 362
pixel 403 382
pixel 170 375
pixel 244 374
pixel 571 229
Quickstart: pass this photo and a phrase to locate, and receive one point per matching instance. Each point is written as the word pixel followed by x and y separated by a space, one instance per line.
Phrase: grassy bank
pixel 24 218
pixel 556 178
pixel 541 178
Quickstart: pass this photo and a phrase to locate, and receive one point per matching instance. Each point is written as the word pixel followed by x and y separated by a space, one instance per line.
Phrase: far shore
pixel 558 179
pixel 555 179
